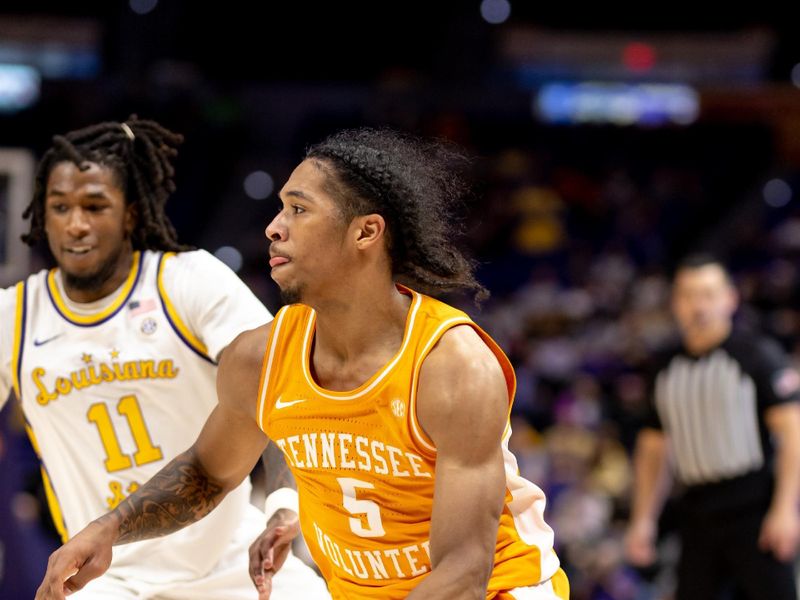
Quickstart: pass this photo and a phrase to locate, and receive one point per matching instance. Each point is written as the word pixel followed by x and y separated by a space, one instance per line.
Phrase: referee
pixel 726 423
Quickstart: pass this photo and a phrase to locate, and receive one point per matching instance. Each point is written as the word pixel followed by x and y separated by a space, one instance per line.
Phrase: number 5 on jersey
pixel 355 506
pixel 146 452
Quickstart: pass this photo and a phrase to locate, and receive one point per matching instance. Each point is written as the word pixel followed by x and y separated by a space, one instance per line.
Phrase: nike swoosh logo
pixel 281 404
pixel 50 339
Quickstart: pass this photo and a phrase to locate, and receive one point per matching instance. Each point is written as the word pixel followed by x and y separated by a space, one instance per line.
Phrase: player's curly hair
pixel 414 185
pixel 140 154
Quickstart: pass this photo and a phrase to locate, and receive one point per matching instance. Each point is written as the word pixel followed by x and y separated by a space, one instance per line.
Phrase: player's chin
pixel 280 273
pixel 80 274
pixel 291 294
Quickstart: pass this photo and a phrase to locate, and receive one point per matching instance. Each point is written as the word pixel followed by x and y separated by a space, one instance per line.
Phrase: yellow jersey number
pixel 128 407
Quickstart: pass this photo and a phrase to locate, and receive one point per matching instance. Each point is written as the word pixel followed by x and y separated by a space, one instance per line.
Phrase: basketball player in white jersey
pixel 113 355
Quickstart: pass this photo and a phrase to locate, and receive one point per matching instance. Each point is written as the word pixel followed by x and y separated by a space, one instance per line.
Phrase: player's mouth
pixel 78 250
pixel 277 261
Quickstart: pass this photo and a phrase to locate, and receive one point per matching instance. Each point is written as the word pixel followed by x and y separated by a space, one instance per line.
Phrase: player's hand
pixel 269 551
pixel 780 533
pixel 640 549
pixel 83 558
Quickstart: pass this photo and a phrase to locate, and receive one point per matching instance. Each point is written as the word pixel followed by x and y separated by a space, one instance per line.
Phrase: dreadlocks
pixel 413 184
pixel 140 153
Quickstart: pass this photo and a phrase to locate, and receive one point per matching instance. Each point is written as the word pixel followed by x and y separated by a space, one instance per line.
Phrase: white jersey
pixel 113 390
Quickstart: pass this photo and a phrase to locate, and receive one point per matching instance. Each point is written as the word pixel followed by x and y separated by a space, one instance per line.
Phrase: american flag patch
pixel 139 307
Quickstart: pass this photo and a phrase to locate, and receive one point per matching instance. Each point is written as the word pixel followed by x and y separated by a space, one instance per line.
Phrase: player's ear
pixel 131 218
pixel 369 230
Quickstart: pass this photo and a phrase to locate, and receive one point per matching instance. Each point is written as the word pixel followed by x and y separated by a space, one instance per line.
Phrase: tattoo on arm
pixel 278 474
pixel 178 495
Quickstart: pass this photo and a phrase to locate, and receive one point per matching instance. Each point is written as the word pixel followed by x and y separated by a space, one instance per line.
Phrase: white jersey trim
pixel 276 328
pixel 376 379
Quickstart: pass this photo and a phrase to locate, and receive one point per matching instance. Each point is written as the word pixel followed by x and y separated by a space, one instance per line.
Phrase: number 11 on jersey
pixel 146 452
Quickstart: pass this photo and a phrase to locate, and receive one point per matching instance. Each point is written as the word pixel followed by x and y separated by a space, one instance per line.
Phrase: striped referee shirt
pixel 712 408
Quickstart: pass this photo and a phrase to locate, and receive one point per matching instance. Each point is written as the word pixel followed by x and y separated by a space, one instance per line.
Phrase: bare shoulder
pixel 461 358
pixel 240 369
pixel 249 345
pixel 461 385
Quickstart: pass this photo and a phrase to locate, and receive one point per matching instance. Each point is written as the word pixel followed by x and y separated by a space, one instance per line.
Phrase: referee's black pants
pixel 718 551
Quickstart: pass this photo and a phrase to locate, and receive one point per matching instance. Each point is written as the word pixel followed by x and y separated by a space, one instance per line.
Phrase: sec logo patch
pixel 149 326
pixel 398 408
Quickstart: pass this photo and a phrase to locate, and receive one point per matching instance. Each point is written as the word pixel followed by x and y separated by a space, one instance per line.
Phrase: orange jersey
pixel 365 469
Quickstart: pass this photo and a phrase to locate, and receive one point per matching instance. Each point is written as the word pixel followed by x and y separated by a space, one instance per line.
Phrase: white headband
pixel 128 131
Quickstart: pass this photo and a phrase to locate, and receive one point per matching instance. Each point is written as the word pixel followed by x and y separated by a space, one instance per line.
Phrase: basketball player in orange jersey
pixel 390 407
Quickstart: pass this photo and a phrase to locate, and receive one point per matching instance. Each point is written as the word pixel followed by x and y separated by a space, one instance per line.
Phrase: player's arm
pixel 281 506
pixel 651 486
pixel 780 531
pixel 8 306
pixel 269 550
pixel 278 475
pixel 186 489
pixel 462 404
pixel 280 487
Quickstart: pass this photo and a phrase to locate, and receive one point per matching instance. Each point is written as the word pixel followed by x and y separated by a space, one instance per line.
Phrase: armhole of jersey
pixel 177 324
pixel 418 435
pixel 55 507
pixel 508 371
pixel 266 368
pixel 20 314
pixel 49 492
pixel 19 339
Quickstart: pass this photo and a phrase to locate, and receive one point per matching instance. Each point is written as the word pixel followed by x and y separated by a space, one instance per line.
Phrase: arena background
pixel 605 147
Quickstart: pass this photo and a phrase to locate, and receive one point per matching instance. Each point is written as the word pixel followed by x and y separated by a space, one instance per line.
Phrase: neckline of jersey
pixel 380 374
pixel 123 294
